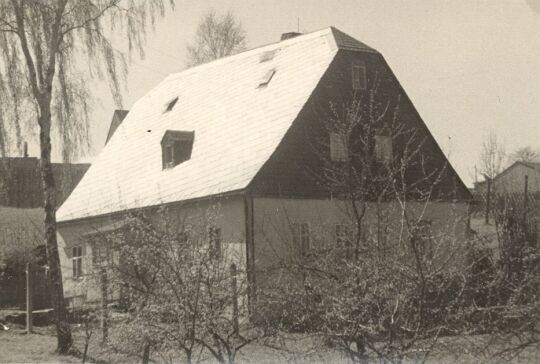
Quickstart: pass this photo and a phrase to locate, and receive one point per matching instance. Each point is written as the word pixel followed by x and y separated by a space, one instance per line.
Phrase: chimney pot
pixel 289 35
pixel 25 150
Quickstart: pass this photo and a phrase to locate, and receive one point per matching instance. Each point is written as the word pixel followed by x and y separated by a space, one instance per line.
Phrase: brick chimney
pixel 289 35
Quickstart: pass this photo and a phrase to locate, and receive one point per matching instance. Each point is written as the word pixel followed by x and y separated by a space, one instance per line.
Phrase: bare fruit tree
pixel 384 283
pixel 42 44
pixel 217 36
pixel 492 156
pixel 526 154
pixel 183 287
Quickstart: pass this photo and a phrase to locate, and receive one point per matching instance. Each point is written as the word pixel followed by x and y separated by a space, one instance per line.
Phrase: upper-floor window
pixel 423 239
pixel 176 147
pixel 359 78
pixel 338 147
pixel 76 260
pixel 301 237
pixel 101 255
pixel 214 240
pixel 383 149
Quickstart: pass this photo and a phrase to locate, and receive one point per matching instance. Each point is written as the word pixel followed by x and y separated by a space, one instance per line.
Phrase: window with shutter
pixel 301 237
pixel 359 78
pixel 383 149
pixel 338 147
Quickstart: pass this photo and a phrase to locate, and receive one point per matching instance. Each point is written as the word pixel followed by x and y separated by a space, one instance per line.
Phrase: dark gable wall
pixel 20 181
pixel 292 169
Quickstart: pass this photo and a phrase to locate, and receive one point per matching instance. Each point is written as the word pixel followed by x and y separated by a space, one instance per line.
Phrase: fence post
pixel 235 298
pixel 526 197
pixel 29 308
pixel 104 308
pixel 488 199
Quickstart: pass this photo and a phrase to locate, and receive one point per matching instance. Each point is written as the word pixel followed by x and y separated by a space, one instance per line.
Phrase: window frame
pixel 423 239
pixel 359 75
pixel 343 237
pixel 215 241
pixel 77 262
pixel 383 153
pixel 338 147
pixel 301 237
pixel 176 142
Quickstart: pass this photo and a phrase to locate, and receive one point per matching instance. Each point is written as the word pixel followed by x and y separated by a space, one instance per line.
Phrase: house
pixel 513 179
pixel 21 222
pixel 235 133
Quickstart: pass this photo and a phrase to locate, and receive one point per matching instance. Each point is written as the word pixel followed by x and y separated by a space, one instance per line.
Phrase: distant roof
pixel 118 117
pixel 533 165
pixel 237 125
pixel 20 182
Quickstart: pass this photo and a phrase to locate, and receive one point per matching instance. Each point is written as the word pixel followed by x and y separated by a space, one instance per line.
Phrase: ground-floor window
pixel 301 237
pixel 214 237
pixel 76 259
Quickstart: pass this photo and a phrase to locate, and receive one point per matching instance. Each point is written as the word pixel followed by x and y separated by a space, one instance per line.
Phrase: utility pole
pixel 104 308
pixel 29 309
pixel 525 197
pixel 488 199
pixel 234 288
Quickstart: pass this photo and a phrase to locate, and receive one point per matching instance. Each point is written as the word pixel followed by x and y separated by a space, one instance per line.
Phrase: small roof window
pixel 176 147
pixel 265 80
pixel 267 56
pixel 170 105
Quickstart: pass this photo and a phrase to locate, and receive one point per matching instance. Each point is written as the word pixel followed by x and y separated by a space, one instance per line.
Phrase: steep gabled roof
pixel 237 125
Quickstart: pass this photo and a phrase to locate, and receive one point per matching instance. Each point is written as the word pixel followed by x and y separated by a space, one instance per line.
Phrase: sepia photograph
pixel 258 181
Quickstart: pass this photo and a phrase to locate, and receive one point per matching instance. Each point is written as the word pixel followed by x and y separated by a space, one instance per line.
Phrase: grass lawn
pixel 18 347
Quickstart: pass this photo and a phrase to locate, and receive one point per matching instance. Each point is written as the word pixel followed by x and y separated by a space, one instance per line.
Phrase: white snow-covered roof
pixel 237 127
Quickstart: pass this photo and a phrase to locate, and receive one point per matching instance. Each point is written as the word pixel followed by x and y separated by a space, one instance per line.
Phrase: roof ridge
pixel 248 52
pixel 345 41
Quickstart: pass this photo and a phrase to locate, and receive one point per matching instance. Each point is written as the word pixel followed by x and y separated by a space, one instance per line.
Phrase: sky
pixel 469 66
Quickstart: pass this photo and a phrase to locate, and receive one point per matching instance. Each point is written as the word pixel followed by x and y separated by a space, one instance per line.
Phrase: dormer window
pixel 170 105
pixel 359 79
pixel 176 147
pixel 265 80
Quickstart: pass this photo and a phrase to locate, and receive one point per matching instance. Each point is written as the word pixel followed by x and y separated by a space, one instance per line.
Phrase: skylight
pixel 265 80
pixel 170 104
pixel 267 56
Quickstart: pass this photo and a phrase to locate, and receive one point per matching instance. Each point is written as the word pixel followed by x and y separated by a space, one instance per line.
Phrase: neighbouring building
pixel 513 179
pixel 238 133
pixel 21 222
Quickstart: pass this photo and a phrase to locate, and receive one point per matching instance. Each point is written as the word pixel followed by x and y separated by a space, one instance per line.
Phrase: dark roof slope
pixel 118 117
pixel 345 41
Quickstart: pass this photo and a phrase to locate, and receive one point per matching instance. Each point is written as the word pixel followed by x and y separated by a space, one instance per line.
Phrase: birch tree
pixel 43 87
pixel 216 37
